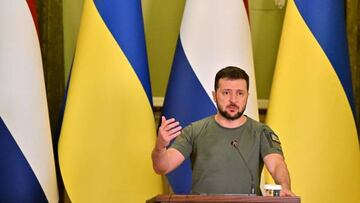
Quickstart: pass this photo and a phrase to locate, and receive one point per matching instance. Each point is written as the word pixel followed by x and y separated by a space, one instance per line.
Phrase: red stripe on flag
pixel 32 7
pixel 246 4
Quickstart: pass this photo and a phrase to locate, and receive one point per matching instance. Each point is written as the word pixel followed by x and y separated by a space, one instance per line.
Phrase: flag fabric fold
pixel 311 103
pixel 108 129
pixel 27 169
pixel 213 34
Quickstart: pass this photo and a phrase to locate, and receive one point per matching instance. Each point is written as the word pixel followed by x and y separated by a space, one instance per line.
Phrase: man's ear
pixel 214 95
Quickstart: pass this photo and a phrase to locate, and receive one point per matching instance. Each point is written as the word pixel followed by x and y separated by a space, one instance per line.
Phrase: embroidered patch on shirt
pixel 275 138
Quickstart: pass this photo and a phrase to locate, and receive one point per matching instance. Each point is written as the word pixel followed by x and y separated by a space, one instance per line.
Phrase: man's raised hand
pixel 168 130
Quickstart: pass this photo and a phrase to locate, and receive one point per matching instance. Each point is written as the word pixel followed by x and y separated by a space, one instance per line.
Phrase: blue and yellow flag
pixel 311 103
pixel 108 129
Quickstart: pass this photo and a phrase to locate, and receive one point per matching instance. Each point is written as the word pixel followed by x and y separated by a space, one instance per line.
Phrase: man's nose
pixel 233 97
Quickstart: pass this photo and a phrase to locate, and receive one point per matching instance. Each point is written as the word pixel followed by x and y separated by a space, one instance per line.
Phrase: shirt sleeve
pixel 270 142
pixel 183 143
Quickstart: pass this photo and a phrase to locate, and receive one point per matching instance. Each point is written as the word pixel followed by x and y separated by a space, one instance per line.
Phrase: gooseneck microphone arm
pixel 235 144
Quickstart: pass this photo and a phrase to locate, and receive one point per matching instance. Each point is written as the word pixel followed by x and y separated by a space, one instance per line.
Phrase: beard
pixel 227 116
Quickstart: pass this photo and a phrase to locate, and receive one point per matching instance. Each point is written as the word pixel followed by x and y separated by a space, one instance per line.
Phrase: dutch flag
pixel 214 34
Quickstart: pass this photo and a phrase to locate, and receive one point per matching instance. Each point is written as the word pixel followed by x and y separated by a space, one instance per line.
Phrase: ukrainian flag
pixel 311 104
pixel 108 129
pixel 213 34
pixel 27 167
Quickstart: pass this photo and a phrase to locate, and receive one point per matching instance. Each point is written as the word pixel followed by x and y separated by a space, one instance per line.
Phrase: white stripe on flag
pixel 216 34
pixel 23 105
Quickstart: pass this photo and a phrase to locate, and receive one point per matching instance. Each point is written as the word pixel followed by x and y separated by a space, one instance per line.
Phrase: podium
pixel 221 198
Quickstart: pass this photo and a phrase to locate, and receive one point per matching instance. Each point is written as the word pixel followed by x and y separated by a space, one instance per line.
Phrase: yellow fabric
pixel 310 112
pixel 108 130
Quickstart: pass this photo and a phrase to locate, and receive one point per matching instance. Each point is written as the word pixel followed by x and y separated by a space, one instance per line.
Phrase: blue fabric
pixel 326 20
pixel 129 34
pixel 18 182
pixel 187 101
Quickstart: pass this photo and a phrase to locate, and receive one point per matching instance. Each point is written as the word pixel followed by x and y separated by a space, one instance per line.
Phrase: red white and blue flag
pixel 214 34
pixel 27 169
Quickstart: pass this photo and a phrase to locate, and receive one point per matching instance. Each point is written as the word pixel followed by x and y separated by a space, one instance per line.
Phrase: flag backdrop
pixel 311 103
pixel 214 34
pixel 27 169
pixel 108 129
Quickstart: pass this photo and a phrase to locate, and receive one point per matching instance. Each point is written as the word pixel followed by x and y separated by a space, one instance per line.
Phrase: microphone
pixel 235 144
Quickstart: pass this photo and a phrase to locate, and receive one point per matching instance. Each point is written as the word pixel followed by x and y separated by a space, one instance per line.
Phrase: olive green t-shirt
pixel 216 165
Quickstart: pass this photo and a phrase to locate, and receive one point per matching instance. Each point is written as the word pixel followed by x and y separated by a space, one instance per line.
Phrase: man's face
pixel 231 97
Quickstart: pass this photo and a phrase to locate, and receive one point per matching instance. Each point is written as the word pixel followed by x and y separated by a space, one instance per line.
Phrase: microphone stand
pixel 235 144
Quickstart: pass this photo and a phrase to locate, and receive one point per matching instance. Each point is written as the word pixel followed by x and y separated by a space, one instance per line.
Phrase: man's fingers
pixel 163 119
pixel 175 135
pixel 286 193
pixel 175 130
pixel 165 122
pixel 169 129
pixel 171 125
pixel 169 133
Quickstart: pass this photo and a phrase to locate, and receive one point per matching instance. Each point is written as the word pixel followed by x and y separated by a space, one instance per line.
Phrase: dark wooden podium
pixel 221 198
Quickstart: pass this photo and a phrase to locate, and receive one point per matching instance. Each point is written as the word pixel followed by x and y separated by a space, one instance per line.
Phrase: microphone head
pixel 234 143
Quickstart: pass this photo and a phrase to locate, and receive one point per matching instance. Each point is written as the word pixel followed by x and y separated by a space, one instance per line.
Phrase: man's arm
pixel 277 167
pixel 166 160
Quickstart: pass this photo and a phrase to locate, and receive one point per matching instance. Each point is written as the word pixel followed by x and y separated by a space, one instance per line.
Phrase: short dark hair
pixel 232 73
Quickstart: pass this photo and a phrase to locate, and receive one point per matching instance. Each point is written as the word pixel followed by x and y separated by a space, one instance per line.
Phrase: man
pixel 227 150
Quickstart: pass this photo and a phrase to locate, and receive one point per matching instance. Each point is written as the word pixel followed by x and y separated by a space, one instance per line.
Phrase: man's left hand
pixel 286 193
